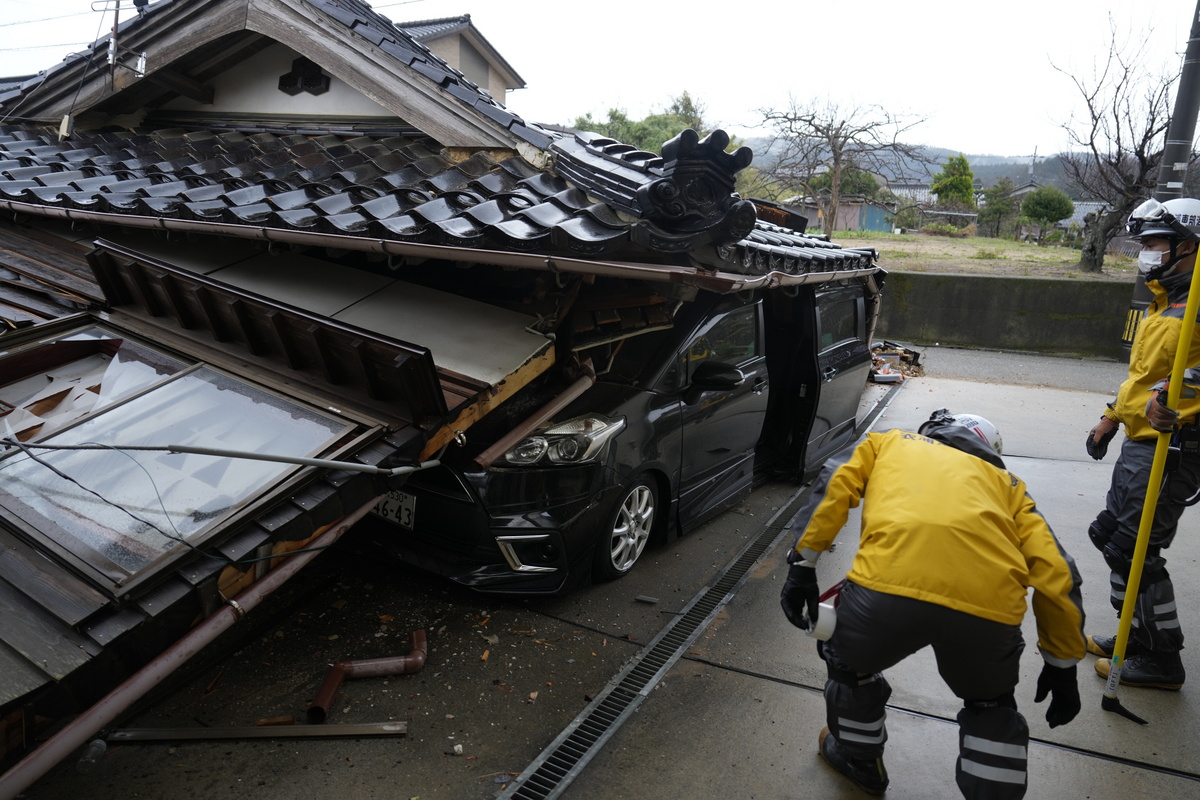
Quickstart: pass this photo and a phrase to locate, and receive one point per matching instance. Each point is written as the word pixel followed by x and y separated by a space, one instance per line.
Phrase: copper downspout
pixel 367 668
pixel 539 417
pixel 84 727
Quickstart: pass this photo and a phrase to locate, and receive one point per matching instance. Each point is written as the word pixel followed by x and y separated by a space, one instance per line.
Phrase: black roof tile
pixel 404 227
pixel 462 231
pixel 253 213
pixel 297 198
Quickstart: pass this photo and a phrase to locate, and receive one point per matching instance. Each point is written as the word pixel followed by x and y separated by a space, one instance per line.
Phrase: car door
pixel 720 427
pixel 843 363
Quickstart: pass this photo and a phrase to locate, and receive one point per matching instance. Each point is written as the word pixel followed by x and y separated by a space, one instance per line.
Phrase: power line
pixel 44 19
pixel 43 46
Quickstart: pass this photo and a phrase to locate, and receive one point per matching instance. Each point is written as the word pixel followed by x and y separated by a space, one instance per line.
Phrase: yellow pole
pixel 1153 488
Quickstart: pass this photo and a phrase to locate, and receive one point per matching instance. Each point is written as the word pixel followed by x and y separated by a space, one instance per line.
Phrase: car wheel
pixel 629 527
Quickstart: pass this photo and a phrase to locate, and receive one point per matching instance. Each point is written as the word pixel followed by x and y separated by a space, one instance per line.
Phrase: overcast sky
pixel 980 74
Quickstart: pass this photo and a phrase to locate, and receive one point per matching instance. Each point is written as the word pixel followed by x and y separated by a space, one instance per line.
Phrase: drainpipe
pixel 367 668
pixel 84 727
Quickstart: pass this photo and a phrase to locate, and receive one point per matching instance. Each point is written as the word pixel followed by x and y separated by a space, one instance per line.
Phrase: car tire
pixel 630 523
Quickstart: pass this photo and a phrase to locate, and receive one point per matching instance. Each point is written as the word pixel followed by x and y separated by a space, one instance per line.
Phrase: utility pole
pixel 1177 154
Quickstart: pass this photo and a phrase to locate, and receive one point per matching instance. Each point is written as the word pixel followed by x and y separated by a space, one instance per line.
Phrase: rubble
pixel 892 362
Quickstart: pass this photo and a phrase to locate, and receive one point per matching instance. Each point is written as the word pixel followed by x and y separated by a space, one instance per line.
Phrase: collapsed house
pixel 261 259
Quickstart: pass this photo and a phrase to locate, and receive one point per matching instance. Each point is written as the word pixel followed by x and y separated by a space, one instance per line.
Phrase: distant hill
pixel 988 169
pixel 1045 171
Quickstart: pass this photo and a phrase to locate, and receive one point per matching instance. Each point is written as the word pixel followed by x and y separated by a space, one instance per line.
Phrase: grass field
pixel 916 252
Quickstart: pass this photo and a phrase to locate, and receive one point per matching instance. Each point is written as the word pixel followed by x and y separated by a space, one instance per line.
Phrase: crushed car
pixel 684 405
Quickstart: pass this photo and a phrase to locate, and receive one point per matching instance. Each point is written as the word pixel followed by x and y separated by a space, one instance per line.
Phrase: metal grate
pixel 549 775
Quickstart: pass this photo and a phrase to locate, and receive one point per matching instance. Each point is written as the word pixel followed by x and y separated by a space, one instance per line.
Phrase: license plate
pixel 398 507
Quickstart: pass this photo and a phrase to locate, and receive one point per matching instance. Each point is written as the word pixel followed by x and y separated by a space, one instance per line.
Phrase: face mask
pixel 1150 260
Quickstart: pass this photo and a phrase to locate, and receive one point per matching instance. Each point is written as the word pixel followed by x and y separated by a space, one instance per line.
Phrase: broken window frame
pixel 347 432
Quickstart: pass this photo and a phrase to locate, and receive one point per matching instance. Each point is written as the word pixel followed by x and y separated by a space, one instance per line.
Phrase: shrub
pixel 984 254
pixel 941 229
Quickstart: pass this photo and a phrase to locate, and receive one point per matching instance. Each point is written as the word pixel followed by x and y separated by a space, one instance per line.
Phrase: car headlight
pixel 576 441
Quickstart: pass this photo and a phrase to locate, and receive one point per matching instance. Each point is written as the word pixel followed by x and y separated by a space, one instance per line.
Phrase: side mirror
pixel 717 376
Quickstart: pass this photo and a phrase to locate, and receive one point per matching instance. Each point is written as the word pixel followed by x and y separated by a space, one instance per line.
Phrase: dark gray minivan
pixel 679 424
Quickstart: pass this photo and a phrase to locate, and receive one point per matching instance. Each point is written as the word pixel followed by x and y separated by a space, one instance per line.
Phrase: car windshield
pixel 633 360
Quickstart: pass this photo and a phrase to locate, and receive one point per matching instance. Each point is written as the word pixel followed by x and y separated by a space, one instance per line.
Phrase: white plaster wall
pixel 253 87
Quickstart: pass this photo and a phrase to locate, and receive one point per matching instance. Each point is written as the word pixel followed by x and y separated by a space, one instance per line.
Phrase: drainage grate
pixel 549 775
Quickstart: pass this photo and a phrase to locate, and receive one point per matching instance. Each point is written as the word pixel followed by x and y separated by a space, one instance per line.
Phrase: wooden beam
pixel 141 286
pixel 175 297
pixel 317 338
pixel 283 339
pixel 178 82
pixel 204 301
pixel 241 315
pixel 366 373
pixel 487 400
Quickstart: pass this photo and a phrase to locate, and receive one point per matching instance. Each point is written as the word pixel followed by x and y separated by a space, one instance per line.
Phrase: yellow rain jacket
pixel 1152 357
pixel 946 527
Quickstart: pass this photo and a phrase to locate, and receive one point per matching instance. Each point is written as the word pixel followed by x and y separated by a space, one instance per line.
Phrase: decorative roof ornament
pixel 696 191
pixel 682 199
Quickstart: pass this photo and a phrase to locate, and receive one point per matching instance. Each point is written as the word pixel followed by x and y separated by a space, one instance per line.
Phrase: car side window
pixel 731 338
pixel 839 318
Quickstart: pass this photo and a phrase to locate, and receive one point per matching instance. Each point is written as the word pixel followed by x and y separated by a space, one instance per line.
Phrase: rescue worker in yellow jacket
pixel 950 544
pixel 1168 233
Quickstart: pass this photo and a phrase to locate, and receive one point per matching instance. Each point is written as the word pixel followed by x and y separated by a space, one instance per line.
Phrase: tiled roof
pixel 1082 209
pixel 427 28
pixel 602 200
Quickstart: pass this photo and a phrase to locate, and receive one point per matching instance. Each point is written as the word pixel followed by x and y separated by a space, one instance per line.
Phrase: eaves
pixel 710 280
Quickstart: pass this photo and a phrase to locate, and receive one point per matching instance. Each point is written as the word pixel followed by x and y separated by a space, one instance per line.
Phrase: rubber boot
pixel 1150 670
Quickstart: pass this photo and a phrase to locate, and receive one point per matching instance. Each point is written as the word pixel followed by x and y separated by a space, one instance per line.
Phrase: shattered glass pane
pixel 61 382
pixel 132 507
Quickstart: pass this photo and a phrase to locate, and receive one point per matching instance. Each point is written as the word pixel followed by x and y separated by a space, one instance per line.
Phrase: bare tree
pixel 1116 146
pixel 825 138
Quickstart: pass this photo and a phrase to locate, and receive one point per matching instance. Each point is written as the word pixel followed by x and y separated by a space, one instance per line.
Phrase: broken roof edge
pixel 717 281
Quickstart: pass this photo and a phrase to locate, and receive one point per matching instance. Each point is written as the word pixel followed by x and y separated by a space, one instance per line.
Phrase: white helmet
pixel 1174 219
pixel 985 430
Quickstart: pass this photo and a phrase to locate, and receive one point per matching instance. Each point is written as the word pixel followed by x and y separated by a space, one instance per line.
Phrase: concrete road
pixel 736 715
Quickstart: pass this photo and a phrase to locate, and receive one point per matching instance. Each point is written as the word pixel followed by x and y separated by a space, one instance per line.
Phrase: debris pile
pixel 892 362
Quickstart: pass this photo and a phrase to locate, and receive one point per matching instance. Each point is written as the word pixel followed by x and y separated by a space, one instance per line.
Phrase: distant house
pixel 855 213
pixel 1025 189
pixel 1120 243
pixel 459 43
pixel 922 195
pixel 1082 209
pixel 913 193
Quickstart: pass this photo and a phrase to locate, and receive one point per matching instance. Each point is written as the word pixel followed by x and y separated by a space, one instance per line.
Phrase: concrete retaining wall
pixel 1050 315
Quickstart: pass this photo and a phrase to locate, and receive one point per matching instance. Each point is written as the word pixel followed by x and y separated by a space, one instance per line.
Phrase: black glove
pixel 1060 683
pixel 801 597
pixel 1097 449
